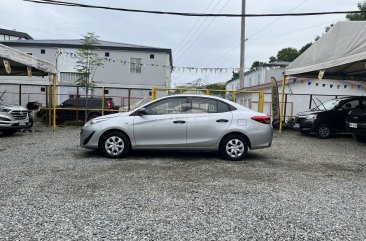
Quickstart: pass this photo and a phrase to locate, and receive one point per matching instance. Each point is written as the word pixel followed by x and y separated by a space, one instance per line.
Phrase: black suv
pixel 74 109
pixel 329 117
pixel 356 123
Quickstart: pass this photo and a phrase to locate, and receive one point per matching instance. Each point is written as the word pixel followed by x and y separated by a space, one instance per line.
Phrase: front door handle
pixel 222 120
pixel 179 122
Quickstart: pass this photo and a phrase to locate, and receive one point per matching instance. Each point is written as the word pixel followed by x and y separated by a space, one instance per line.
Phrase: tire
pixel 114 144
pixel 233 147
pixel 9 132
pixel 324 131
pixel 359 138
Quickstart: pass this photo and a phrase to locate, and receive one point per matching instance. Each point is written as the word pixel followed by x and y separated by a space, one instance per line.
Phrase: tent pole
pixel 54 102
pixel 282 102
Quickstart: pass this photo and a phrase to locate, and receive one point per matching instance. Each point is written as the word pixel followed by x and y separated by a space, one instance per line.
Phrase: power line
pixel 276 20
pixel 199 36
pixel 70 4
pixel 199 27
pixel 195 24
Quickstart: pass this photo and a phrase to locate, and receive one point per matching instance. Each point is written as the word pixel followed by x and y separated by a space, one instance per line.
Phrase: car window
pixel 352 104
pixel 68 103
pixel 167 106
pixel 223 107
pixel 204 105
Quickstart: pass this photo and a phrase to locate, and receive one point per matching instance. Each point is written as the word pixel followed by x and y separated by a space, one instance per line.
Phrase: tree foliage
pixel 88 61
pixel 272 59
pixel 358 16
pixel 287 54
pixel 304 48
pixel 256 64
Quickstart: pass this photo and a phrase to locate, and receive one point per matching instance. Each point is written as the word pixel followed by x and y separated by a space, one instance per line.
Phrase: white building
pixel 125 66
pixel 300 94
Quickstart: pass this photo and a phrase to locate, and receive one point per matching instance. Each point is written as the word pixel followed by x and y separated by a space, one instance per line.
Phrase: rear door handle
pixel 222 120
pixel 179 122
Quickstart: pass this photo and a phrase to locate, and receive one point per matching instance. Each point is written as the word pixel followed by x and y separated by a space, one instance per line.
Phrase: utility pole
pixel 242 47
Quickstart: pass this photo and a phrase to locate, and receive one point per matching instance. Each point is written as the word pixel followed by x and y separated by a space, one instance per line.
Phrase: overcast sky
pixel 195 42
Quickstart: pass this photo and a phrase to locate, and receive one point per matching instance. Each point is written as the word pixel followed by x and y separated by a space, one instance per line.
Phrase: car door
pixel 164 124
pixel 343 110
pixel 208 119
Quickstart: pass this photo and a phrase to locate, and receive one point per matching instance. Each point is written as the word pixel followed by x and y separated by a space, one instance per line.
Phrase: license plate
pixel 353 125
pixel 22 123
pixel 297 125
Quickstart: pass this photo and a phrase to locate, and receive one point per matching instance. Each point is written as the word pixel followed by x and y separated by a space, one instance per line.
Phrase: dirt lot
pixel 301 188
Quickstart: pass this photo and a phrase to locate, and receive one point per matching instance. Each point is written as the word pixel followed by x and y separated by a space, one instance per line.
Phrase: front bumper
pixel 88 137
pixel 14 125
pixel 305 125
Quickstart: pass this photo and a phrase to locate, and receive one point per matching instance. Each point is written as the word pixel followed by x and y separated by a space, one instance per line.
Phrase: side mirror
pixel 141 112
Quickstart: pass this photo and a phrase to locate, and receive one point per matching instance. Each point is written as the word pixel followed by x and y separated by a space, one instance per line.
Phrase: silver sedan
pixel 180 122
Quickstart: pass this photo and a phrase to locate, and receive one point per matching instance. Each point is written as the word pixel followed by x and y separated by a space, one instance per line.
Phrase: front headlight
pixel 94 121
pixel 311 117
pixel 5 110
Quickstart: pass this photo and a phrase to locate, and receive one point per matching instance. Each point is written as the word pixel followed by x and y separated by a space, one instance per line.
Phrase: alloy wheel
pixel 235 148
pixel 114 145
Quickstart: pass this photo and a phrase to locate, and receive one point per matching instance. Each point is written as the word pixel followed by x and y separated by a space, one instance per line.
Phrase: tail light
pixel 262 119
pixel 108 104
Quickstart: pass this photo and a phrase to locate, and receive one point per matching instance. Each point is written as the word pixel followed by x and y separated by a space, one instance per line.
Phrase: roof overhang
pixel 19 61
pixel 341 53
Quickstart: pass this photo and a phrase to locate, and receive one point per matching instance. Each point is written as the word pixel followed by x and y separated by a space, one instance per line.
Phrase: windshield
pixel 328 105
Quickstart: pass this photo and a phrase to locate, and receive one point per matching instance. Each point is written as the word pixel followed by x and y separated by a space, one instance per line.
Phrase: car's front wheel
pixel 324 131
pixel 233 147
pixel 114 144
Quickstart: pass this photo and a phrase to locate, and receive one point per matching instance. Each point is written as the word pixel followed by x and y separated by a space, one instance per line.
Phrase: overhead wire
pixel 72 4
pixel 195 24
pixel 199 36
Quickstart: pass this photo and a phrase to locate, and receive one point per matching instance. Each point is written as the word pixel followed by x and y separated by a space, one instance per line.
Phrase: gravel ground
pixel 301 188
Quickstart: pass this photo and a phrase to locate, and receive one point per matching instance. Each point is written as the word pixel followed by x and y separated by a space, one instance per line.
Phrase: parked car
pixel 13 118
pixel 356 124
pixel 184 122
pixel 70 108
pixel 328 118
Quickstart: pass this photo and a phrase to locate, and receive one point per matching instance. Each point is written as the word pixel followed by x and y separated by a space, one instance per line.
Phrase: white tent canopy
pixel 341 52
pixel 19 61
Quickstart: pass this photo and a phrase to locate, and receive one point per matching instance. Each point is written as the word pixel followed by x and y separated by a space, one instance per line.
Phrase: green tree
pixel 256 64
pixel 216 86
pixel 272 59
pixel 235 75
pixel 358 16
pixel 88 61
pixel 287 54
pixel 304 48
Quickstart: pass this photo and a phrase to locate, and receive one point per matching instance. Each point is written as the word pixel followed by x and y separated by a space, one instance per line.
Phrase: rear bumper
pixel 357 129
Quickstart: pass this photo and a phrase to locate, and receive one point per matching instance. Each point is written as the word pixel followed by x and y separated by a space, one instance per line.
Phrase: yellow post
pixel 282 102
pixel 54 102
pixel 261 102
pixel 207 92
pixel 153 93
pixel 103 100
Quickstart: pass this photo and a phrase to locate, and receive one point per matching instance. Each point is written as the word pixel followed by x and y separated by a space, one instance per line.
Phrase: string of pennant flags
pixel 331 86
pixel 172 68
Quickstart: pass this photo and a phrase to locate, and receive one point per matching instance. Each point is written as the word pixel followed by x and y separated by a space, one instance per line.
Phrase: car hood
pixel 13 107
pixel 309 112
pixel 105 117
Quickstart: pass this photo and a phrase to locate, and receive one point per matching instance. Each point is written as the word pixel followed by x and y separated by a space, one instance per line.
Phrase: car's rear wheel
pixel 233 147
pixel 324 131
pixel 114 144
pixel 359 138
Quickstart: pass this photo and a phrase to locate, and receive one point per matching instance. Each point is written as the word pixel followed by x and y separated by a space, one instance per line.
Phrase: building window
pixel 152 56
pixel 106 54
pixel 135 65
pixel 43 51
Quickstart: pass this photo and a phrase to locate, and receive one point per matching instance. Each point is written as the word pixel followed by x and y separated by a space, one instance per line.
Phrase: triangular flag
pixel 338 86
pixel 29 71
pixel 331 86
pixel 7 66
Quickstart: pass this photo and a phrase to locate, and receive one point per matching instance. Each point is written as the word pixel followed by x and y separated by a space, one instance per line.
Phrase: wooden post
pixel 282 102
pixel 129 99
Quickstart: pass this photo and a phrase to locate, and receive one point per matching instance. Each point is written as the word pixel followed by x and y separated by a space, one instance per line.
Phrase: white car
pixel 181 122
